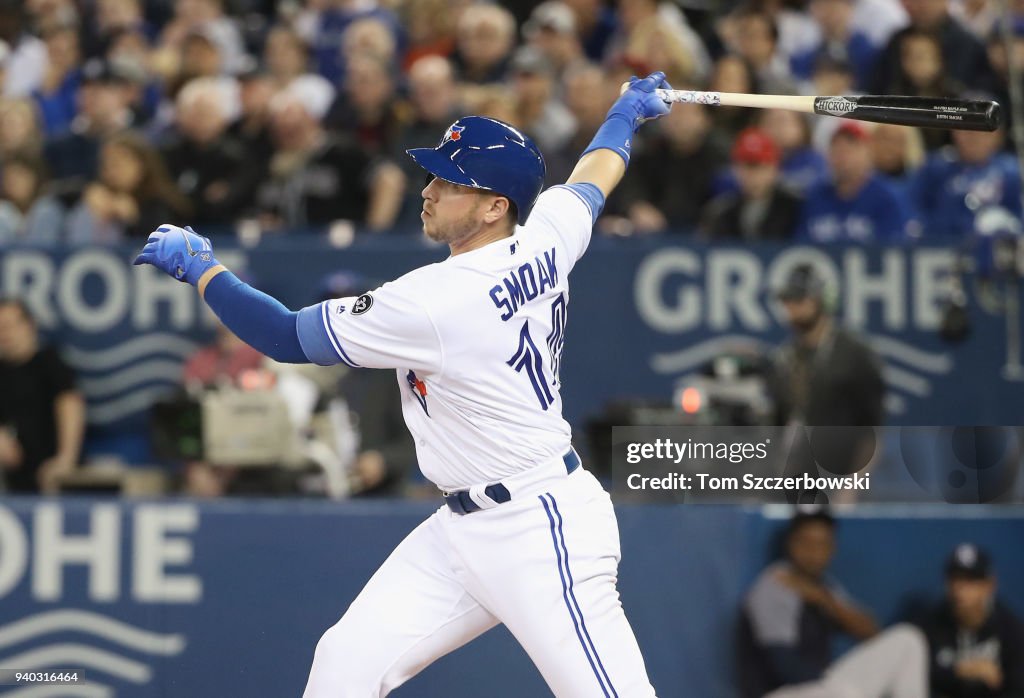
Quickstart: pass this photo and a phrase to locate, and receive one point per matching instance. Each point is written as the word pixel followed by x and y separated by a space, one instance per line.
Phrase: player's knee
pixel 335 665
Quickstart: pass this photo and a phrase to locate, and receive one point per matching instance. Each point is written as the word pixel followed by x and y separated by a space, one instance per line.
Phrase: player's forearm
pixel 259 320
pixel 603 168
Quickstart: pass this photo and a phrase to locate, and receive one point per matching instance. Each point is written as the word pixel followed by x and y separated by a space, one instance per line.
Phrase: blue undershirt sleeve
pixel 257 319
pixel 591 195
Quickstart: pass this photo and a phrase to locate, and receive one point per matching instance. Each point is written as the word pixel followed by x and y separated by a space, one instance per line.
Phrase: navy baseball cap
pixel 968 561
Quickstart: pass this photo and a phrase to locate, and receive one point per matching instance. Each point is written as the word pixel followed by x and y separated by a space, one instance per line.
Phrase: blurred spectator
pixel 209 168
pixel 43 15
pixel 111 18
pixel 103 110
pixel 763 209
pixel 588 95
pixel 227 362
pixel 551 29
pixel 223 362
pixel 897 152
pixel 802 166
pixel 57 96
pixel 832 76
pixel 977 16
pixel 19 128
pixel 252 127
pixel 596 23
pixel 25 64
pixel 493 101
pixel 316 179
pixel 856 204
pixel 757 42
pixel 997 55
pixel 923 73
pixel 541 115
pixel 27 212
pixel 204 19
pixel 200 56
pixel 976 643
pixel 796 31
pixel 824 375
pixel 839 41
pixel 42 414
pixel 794 612
pixel 285 56
pixel 963 54
pixel 731 73
pixel 879 19
pixel 656 36
pixel 366 110
pixel 132 195
pixel 956 183
pixel 485 37
pixel 431 28
pixel 434 100
pixel 324 26
pixel 671 176
pixel 372 37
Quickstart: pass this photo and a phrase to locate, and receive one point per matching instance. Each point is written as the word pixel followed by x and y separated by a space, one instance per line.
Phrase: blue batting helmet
pixel 487 154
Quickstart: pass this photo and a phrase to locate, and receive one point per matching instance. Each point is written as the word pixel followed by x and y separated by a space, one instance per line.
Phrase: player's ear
pixel 499 209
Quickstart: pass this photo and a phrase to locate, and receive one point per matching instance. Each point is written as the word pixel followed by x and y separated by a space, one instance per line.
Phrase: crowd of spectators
pixel 293 115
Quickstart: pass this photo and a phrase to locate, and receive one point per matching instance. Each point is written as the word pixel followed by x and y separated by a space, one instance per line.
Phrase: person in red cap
pixel 763 208
pixel 856 204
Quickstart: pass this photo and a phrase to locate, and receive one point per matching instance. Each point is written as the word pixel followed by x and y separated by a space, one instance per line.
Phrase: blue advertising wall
pixel 228 598
pixel 642 315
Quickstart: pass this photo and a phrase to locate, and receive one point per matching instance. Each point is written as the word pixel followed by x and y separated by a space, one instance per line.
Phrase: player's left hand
pixel 181 252
pixel 639 102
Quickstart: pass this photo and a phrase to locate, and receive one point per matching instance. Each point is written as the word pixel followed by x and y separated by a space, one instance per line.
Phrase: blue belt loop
pixel 461 503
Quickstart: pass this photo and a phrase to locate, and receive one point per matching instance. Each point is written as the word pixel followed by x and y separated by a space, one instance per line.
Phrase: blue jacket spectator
pixel 57 96
pixel 839 41
pixel 857 204
pixel 959 181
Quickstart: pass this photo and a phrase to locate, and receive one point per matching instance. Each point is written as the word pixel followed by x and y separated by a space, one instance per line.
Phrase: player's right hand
pixel 639 101
pixel 180 252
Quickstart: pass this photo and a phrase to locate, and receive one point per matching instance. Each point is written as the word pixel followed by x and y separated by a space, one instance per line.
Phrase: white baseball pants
pixel 544 564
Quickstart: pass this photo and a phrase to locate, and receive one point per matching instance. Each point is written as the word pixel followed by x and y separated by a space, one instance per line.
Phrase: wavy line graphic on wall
pixel 908 370
pixel 94 662
pixel 122 380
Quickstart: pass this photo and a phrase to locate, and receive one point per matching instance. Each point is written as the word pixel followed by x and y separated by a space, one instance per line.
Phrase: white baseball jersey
pixel 476 341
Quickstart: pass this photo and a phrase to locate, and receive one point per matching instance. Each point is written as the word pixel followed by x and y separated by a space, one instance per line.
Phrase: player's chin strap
pixel 480 497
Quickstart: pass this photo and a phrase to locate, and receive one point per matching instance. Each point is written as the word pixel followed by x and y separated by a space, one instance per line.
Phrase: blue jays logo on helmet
pixel 453 133
pixel 485 153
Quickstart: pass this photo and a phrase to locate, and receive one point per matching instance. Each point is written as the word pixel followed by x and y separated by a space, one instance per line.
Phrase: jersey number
pixel 528 359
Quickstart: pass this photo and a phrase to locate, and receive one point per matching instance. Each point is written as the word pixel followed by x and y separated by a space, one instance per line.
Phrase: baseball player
pixel 526 536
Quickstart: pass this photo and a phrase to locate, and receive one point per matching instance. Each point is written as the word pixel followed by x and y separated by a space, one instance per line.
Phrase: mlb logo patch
pixel 453 133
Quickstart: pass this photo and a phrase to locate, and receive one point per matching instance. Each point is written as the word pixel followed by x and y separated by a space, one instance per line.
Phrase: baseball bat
pixel 925 112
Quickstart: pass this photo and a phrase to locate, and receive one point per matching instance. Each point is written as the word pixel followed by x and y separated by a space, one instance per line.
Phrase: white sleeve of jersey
pixel 563 215
pixel 385 328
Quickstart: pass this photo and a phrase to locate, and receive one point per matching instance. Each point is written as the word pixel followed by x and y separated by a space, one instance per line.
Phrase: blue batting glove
pixel 639 102
pixel 180 252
